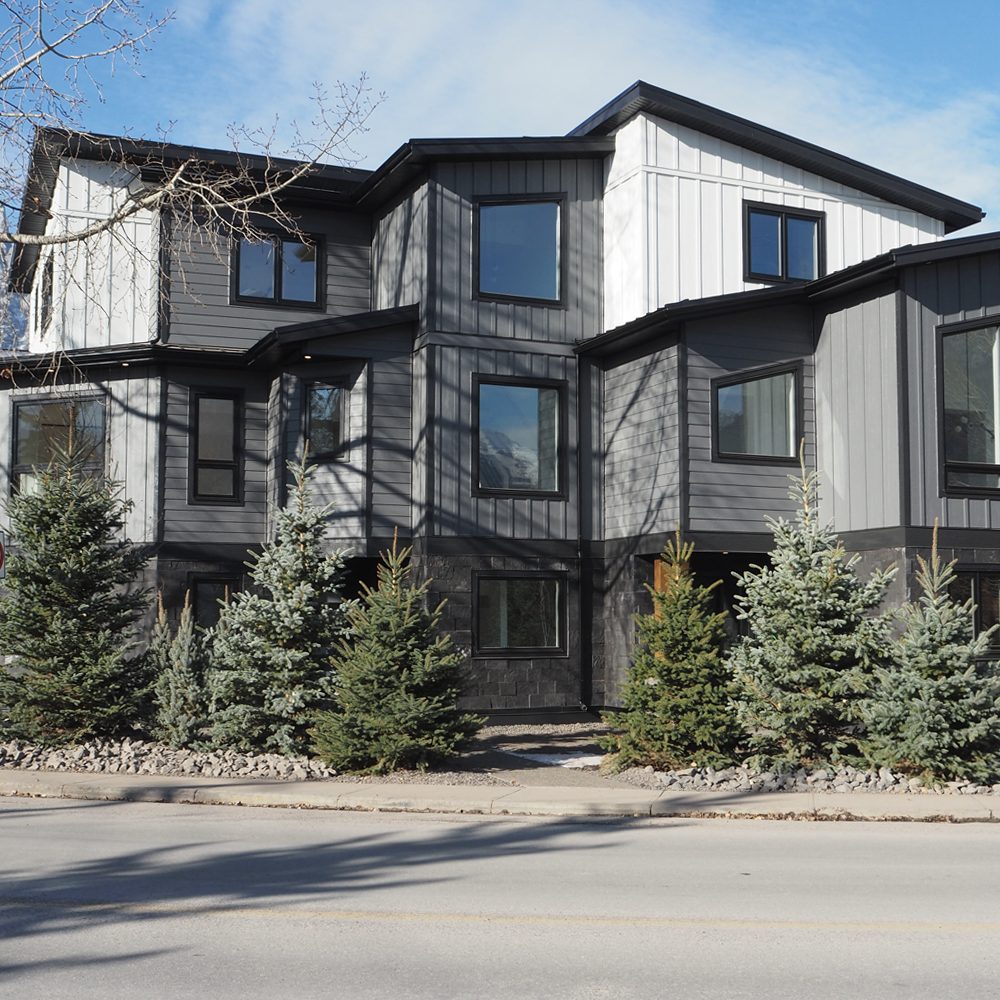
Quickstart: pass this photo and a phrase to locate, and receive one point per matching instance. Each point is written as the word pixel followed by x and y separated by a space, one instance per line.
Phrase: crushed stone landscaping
pixel 478 765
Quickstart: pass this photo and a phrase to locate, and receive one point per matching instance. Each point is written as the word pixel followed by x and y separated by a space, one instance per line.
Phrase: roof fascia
pixel 643 97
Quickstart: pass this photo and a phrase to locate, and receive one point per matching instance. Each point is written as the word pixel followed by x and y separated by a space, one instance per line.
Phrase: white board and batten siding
pixel 131 442
pixel 105 288
pixel 673 216
pixel 857 414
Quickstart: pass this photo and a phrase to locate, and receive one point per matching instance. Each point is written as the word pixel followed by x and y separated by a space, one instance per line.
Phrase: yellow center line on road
pixel 529 919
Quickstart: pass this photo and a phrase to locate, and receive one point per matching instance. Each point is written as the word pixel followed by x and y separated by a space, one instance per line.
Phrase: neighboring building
pixel 534 359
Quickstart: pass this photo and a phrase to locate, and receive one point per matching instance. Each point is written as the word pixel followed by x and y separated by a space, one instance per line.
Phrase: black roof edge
pixel 411 158
pixel 660 320
pixel 122 355
pixel 642 96
pixel 50 144
pixel 331 326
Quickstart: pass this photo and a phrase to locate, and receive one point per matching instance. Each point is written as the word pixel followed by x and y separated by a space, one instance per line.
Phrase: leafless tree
pixel 50 51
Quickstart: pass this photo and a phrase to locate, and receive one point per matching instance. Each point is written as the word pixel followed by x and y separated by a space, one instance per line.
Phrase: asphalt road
pixel 130 900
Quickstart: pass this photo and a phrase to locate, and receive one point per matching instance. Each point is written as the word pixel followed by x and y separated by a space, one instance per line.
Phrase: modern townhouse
pixel 534 359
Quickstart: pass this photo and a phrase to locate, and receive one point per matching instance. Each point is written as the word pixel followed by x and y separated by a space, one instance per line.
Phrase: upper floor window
pixel 518 249
pixel 45 296
pixel 216 423
pixel 970 384
pixel 781 244
pixel 756 415
pixel 518 436
pixel 324 412
pixel 53 429
pixel 278 270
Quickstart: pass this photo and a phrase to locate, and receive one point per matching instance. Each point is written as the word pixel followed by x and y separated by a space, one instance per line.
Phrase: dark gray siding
pixel 371 486
pixel 857 417
pixel 735 496
pixel 200 311
pixel 455 511
pixel 451 305
pixel 641 445
pixel 966 288
pixel 199 524
pixel 399 252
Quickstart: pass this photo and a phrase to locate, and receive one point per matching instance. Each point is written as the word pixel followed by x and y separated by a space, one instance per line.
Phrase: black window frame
pixel 46 295
pixel 194 463
pixel 783 213
pixel 18 469
pixel 944 490
pixel 562 234
pixel 562 429
pixel 522 652
pixel 976 571
pixel 796 369
pixel 196 577
pixel 339 454
pixel 278 239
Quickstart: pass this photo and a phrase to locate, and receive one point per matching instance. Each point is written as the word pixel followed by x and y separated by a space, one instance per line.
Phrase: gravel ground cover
pixel 492 758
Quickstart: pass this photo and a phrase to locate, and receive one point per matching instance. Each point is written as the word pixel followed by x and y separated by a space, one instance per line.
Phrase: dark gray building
pixel 534 359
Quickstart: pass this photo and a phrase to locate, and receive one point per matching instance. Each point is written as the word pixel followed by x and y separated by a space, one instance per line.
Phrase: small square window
pixel 518 440
pixel 520 614
pixel 756 417
pixel 216 423
pixel 518 250
pixel 983 589
pixel 208 592
pixel 782 244
pixel 51 429
pixel 324 410
pixel 277 270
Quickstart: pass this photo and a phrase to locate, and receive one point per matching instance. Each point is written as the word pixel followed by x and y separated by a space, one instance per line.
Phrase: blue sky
pixel 912 87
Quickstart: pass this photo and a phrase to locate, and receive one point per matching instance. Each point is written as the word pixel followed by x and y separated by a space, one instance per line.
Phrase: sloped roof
pixel 644 97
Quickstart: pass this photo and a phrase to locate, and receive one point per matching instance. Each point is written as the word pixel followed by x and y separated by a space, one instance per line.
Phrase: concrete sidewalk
pixel 497 800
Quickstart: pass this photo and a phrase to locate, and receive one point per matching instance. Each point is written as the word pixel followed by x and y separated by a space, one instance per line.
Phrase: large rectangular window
pixel 278 270
pixel 324 410
pixel 756 416
pixel 518 445
pixel 520 614
pixel 970 385
pixel 53 429
pixel 216 448
pixel 782 244
pixel 518 250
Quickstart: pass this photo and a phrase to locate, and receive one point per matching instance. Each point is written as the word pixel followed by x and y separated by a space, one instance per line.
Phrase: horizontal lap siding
pixel 954 291
pixel 455 511
pixel 452 306
pixel 215 523
pixel 734 496
pixel 641 445
pixel 858 435
pixel 200 310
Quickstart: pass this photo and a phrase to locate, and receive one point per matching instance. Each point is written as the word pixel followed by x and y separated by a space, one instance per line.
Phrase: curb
pixel 501 800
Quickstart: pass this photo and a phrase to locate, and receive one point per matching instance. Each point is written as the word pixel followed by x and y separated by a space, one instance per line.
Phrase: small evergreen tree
pixel 676 701
pixel 815 639
pixel 398 681
pixel 68 614
pixel 177 662
pixel 270 650
pixel 936 711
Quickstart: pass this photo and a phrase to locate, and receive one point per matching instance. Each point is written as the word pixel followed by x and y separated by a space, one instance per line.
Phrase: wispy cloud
pixel 474 67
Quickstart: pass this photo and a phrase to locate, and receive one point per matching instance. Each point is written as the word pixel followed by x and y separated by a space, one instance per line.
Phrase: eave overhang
pixel 643 97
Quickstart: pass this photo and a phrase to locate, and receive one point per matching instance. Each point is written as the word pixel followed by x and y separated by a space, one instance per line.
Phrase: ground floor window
pixel 520 614
pixel 983 588
pixel 207 593
pixel 45 430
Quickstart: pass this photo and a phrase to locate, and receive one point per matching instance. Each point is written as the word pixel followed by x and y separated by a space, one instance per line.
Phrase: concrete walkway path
pixel 555 799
